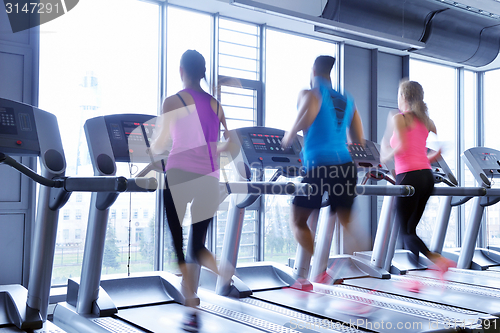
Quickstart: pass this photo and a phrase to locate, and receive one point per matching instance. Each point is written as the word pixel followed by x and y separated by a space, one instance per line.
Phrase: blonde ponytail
pixel 413 93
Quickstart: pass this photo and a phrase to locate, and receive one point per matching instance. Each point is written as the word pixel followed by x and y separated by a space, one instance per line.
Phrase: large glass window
pixel 238 49
pixel 491 121
pixel 439 83
pixel 240 107
pixel 91 64
pixel 183 35
pixel 239 89
pixel 469 134
pixel 286 76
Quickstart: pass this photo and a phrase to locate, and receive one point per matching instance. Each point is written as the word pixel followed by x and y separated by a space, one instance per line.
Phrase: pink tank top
pixel 414 157
pixel 194 138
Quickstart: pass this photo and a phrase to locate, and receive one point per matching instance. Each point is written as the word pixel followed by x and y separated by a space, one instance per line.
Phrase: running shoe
pixel 191 324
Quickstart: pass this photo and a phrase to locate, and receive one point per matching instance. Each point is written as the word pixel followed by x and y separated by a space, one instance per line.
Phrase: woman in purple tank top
pixel 189 130
pixel 408 131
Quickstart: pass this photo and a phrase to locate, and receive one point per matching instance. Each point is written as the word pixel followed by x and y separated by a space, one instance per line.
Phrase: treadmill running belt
pixel 475 298
pixel 169 318
pixel 467 277
pixel 365 310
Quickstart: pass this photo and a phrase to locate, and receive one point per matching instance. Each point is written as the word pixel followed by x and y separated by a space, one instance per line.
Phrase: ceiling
pixel 262 13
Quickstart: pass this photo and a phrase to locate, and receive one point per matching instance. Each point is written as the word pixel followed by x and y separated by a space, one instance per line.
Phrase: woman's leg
pixel 174 223
pixel 198 251
pixel 203 208
pixel 409 210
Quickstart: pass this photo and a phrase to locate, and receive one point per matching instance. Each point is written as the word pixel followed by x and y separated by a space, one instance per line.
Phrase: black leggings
pixel 409 210
pixel 201 206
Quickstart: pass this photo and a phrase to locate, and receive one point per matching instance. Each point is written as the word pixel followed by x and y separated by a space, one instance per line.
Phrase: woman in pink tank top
pixel 409 129
pixel 189 130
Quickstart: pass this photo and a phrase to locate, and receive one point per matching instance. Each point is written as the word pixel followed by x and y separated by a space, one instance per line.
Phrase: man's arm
pixel 356 133
pixel 308 106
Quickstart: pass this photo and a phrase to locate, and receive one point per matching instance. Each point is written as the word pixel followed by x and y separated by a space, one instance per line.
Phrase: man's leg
pixel 300 229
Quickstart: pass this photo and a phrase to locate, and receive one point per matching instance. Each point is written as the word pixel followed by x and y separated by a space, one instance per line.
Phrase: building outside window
pixel 115 56
pixel 439 84
pixel 491 121
pixel 285 77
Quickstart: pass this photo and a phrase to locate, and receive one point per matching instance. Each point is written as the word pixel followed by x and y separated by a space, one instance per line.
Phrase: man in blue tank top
pixel 325 116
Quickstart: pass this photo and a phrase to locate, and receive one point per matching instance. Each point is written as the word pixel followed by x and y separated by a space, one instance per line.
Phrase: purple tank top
pixel 194 137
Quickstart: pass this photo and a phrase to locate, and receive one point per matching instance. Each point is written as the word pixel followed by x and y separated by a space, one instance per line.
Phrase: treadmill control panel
pixel 262 148
pixel 367 157
pixel 18 133
pixel 360 153
pixel 442 172
pixel 268 142
pixel 130 136
pixel 484 163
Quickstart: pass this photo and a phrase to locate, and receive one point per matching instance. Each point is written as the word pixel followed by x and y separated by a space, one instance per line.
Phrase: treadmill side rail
pixel 72 322
pixel 17 312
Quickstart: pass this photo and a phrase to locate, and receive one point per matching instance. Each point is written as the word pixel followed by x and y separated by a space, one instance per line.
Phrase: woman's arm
pixel 433 157
pixel 229 144
pixel 399 129
pixel 160 141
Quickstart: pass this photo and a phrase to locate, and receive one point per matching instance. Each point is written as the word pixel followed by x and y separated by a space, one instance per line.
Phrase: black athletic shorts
pixel 339 181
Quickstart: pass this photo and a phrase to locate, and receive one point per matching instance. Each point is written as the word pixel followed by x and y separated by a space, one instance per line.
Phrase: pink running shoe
pixel 322 278
pixel 413 286
pixel 302 284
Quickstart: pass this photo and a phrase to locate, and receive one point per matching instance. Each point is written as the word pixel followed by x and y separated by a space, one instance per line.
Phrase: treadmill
pixel 484 164
pixel 403 261
pixel 459 296
pixel 33 132
pixel 145 302
pixel 268 285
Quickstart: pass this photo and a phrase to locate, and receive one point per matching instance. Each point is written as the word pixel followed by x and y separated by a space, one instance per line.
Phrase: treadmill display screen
pixel 269 143
pixel 7 121
pixel 488 159
pixel 133 131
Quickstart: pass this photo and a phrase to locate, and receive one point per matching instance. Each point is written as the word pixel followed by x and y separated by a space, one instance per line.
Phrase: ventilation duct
pixel 449 33
pixel 333 27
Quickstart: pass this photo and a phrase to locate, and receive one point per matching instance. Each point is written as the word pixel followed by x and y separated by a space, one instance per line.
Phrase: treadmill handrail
pixel 492 192
pixel 5 159
pixel 460 191
pixel 393 190
pixel 95 184
pixel 273 188
pixel 85 184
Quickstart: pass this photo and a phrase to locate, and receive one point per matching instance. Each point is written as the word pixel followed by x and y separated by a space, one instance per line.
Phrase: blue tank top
pixel 325 142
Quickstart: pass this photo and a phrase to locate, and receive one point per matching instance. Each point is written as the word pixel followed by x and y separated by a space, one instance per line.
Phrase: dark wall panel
pixel 21 37
pixel 12 67
pixel 357 76
pixel 18 81
pixel 357 82
pixel 10 192
pixel 11 247
pixel 389 73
